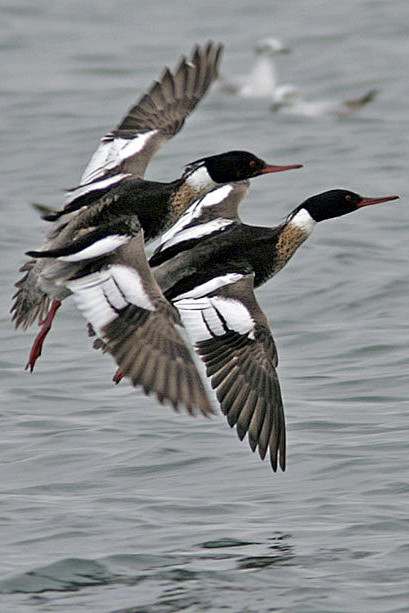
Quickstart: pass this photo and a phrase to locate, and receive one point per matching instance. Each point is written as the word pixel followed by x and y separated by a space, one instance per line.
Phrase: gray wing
pixel 232 336
pixel 159 115
pixel 127 310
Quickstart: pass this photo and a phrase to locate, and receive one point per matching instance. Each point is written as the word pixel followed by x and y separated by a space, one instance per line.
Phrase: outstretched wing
pixel 232 336
pixel 160 113
pixel 129 313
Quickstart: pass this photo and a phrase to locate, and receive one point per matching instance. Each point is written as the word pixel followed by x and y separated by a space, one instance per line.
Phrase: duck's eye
pixel 253 164
pixel 348 198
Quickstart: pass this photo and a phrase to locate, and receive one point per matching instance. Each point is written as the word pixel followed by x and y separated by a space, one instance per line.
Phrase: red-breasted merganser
pixel 106 217
pixel 101 260
pixel 208 268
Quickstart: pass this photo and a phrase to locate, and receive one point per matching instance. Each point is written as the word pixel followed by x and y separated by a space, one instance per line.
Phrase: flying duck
pixel 101 230
pixel 208 266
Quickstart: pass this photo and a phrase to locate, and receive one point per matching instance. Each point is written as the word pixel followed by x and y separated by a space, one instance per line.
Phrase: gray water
pixel 112 503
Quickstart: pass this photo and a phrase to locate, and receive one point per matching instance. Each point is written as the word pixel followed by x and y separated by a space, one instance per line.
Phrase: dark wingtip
pixel 282 462
pixel 369 96
pixel 47 213
pixel 52 216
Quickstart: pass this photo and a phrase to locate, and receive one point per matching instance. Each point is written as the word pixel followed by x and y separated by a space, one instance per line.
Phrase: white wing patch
pixel 211 199
pixel 102 247
pixel 196 232
pixel 201 291
pixel 132 286
pixel 200 319
pixel 236 315
pixel 100 295
pixel 216 196
pixel 207 317
pixel 92 187
pixel 90 296
pixel 111 152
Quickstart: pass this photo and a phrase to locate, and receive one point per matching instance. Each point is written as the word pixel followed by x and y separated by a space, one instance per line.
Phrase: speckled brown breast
pixel 183 198
pixel 290 239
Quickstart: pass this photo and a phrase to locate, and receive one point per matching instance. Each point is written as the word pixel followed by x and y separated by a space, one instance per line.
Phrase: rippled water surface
pixel 110 502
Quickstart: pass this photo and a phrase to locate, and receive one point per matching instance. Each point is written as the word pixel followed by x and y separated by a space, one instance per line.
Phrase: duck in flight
pixel 103 225
pixel 208 266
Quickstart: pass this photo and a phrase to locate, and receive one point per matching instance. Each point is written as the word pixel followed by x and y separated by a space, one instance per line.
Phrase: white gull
pixel 262 80
pixel 287 99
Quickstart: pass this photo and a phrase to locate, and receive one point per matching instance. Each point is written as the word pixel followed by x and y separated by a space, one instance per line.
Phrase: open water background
pixel 112 503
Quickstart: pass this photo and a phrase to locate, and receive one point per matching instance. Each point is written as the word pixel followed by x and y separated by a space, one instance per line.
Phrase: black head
pixel 335 203
pixel 236 166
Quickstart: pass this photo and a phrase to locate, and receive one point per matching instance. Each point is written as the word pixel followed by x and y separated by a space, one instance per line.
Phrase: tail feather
pixel 30 302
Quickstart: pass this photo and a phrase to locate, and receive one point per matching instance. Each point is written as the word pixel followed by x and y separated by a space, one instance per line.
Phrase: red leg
pixel 40 338
pixel 118 376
